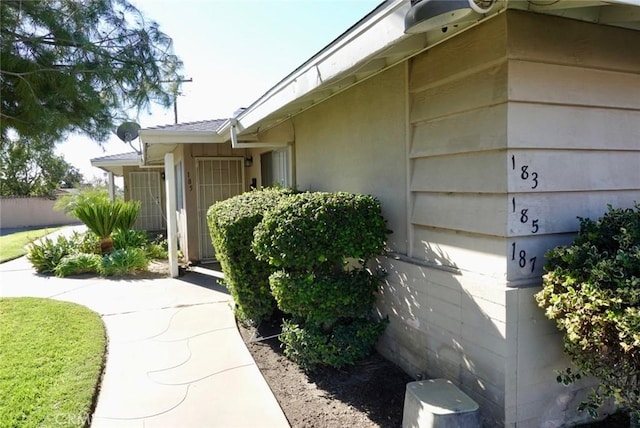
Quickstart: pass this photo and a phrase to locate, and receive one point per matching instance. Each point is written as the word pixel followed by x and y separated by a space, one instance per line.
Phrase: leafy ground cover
pixel 52 357
pixel 13 246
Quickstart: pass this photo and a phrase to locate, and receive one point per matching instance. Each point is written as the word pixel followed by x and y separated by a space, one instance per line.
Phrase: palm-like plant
pixel 101 218
pixel 128 215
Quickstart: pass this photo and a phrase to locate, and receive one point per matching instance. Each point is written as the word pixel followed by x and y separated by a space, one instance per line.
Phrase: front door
pixel 217 179
pixel 145 187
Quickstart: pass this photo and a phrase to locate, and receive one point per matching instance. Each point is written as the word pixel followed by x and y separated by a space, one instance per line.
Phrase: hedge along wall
pixel 231 224
pixel 310 237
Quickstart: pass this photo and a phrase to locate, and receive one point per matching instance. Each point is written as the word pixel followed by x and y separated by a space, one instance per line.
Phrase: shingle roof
pixel 201 126
pixel 121 157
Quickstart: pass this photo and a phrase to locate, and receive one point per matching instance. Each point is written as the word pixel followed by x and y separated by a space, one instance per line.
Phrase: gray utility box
pixel 438 403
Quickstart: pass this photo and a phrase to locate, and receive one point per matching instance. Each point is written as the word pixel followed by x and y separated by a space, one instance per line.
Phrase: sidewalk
pixel 175 357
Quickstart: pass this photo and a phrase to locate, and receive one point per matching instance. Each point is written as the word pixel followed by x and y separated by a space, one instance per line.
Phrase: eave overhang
pixel 379 42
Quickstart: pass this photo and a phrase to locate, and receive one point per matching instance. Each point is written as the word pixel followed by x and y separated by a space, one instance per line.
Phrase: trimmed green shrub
pixel 78 263
pixel 311 228
pixel 309 345
pixel 310 237
pixel 323 299
pixel 46 253
pixel 231 223
pixel 592 291
pixel 124 261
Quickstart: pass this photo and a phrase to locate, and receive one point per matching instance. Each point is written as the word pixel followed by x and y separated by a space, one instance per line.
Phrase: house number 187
pixel 521 258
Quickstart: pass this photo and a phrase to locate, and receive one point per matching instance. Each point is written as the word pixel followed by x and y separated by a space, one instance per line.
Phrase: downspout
pixel 235 144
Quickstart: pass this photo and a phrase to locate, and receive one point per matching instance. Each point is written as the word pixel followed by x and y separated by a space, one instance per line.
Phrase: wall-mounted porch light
pixel 248 161
pixel 427 15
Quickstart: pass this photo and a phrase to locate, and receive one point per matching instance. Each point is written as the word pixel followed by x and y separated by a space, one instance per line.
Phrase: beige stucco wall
pixel 442 141
pixel 356 142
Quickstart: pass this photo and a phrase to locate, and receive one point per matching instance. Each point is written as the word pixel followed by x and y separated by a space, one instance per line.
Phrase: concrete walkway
pixel 175 357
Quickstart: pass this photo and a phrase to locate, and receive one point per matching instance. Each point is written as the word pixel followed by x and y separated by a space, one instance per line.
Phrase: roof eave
pixel 377 43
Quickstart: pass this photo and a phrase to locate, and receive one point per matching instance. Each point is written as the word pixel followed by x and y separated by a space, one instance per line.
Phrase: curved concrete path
pixel 175 357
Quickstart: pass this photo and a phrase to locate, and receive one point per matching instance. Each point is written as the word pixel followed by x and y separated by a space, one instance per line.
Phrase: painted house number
pixel 526 262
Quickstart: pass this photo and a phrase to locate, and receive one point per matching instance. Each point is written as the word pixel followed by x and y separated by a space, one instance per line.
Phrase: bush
pixel 592 291
pixel 231 223
pixel 129 238
pixel 157 250
pixel 124 261
pixel 78 263
pixel 311 228
pixel 310 237
pixel 87 242
pixel 309 345
pixel 325 298
pixel 47 253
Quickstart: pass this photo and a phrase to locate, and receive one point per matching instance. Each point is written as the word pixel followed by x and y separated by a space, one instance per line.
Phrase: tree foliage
pixel 29 167
pixel 77 66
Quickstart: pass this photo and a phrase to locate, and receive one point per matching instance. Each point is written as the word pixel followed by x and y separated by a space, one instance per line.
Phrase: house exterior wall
pixel 574 119
pixel 355 142
pixel 483 151
pixel 455 305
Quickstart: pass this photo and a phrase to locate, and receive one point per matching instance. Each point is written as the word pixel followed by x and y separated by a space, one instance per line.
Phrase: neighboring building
pixel 483 138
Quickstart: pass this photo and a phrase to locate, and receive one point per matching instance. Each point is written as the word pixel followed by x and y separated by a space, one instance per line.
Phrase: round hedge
pixel 324 299
pixel 309 345
pixel 311 228
pixel 231 223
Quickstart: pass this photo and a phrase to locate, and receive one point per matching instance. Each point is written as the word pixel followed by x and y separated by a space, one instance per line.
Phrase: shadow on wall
pixel 447 323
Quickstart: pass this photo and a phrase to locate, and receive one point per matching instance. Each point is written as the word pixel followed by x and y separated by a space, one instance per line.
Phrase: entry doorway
pixel 217 179
pixel 146 187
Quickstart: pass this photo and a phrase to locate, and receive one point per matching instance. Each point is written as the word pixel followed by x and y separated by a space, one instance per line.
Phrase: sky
pixel 234 50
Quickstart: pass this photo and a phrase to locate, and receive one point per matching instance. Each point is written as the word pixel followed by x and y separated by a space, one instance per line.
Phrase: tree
pixel 77 66
pixel 29 167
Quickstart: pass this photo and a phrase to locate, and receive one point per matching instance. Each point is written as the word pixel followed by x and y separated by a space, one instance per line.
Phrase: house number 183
pixel 525 173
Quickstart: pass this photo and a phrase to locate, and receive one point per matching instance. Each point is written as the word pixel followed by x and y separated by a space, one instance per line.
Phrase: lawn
pixel 12 246
pixel 52 356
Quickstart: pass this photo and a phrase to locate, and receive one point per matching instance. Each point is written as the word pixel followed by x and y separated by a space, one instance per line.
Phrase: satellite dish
pixel 128 132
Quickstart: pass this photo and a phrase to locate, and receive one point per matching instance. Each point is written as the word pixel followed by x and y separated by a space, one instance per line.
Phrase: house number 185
pixel 524 216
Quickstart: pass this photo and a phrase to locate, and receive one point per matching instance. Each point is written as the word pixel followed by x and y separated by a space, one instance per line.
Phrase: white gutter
pixel 232 124
pixel 381 28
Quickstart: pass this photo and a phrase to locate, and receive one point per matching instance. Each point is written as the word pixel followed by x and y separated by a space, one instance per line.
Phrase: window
pixel 275 168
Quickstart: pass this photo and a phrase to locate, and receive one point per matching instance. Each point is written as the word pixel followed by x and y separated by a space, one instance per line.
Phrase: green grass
pixel 51 359
pixel 12 246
